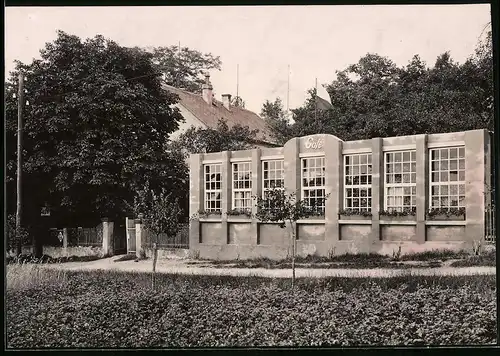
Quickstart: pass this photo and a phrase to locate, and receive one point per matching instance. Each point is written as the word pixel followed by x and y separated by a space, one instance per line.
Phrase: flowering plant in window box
pixel 209 214
pixel 441 214
pixel 398 215
pixel 355 214
pixel 239 212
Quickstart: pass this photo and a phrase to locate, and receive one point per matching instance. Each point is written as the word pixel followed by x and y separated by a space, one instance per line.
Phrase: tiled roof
pixel 210 114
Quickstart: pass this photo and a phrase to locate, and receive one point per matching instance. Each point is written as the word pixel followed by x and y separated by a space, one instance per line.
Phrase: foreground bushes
pixel 109 309
pixel 30 258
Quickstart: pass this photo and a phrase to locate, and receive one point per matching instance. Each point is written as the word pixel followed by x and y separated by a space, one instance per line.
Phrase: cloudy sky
pixel 314 41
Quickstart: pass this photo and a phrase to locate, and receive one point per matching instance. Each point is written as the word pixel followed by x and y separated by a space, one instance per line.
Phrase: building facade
pixel 204 111
pixel 438 183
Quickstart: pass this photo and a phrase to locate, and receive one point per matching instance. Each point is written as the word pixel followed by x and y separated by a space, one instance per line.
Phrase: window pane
pixel 461 152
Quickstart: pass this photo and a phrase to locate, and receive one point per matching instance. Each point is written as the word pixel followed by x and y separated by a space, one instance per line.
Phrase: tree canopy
pixel 94 130
pixel 184 68
pixel 376 98
pixel 275 116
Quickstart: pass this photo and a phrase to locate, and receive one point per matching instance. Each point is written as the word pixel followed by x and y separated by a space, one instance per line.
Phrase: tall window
pixel 447 177
pixel 313 183
pixel 358 181
pixel 273 172
pixel 213 181
pixel 400 180
pixel 242 186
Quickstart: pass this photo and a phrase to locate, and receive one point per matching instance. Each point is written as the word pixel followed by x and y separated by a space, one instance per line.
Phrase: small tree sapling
pixel 285 209
pixel 161 215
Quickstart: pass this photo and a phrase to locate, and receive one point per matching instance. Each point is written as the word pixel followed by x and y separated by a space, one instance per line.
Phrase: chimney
pixel 226 100
pixel 206 90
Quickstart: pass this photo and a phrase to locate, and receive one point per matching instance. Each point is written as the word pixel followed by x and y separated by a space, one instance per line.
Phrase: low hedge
pixel 110 309
pixel 29 258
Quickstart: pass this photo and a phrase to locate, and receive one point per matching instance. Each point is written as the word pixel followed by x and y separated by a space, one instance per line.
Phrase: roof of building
pixel 210 114
pixel 323 104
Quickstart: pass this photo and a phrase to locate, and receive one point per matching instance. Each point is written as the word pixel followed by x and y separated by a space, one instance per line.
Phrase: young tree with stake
pixel 161 215
pixel 284 208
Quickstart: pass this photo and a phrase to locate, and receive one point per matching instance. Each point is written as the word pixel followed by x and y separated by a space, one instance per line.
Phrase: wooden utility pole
pixel 20 104
pixel 288 93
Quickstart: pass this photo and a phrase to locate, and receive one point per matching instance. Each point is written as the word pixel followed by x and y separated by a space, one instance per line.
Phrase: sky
pixel 314 41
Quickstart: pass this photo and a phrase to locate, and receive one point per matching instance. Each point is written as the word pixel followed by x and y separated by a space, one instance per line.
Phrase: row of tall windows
pixel 446 180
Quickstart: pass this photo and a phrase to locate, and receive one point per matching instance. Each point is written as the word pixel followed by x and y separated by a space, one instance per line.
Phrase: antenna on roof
pixel 316 100
pixel 288 92
pixel 237 80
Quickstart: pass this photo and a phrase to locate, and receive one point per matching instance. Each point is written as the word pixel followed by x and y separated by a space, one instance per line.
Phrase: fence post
pixel 106 237
pixel 138 237
pixel 65 241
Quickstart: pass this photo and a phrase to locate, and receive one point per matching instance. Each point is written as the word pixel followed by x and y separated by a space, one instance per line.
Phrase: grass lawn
pixel 55 308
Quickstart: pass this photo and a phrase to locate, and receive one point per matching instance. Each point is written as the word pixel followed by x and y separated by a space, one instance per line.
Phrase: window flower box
pixel 352 214
pixel 209 214
pixel 445 214
pixel 395 215
pixel 240 213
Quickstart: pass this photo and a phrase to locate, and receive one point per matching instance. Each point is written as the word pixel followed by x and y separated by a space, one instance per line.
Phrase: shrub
pixel 486 259
pixel 443 255
pixel 30 258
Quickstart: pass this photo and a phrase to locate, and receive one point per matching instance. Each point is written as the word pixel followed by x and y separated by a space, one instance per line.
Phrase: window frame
pixel 316 187
pixel 241 190
pixel 209 191
pixel 458 182
pixel 402 184
pixel 264 189
pixel 368 187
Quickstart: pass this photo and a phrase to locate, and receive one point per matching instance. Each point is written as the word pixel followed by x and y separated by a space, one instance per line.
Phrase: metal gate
pixel 131 242
pixel 119 238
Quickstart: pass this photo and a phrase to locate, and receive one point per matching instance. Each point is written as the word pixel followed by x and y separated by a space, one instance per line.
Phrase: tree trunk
pixel 155 256
pixel 19 243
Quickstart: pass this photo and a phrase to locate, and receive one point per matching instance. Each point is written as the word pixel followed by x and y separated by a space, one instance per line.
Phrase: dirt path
pixel 181 267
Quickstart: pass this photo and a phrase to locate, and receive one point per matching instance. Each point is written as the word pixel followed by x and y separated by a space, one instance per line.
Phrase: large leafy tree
pixel 183 67
pixel 94 130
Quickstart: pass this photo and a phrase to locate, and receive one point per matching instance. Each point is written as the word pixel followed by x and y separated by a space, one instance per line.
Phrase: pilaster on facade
pixel 377 186
pixel 226 194
pixel 422 187
pixel 475 183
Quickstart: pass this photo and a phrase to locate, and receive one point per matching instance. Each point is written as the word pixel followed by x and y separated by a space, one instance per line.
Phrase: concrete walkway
pixel 181 267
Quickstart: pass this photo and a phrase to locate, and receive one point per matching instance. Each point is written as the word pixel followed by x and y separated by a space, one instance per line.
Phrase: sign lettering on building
pixel 315 144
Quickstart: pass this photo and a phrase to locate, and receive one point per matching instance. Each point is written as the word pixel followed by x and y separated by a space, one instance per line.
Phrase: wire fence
pixel 79 236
